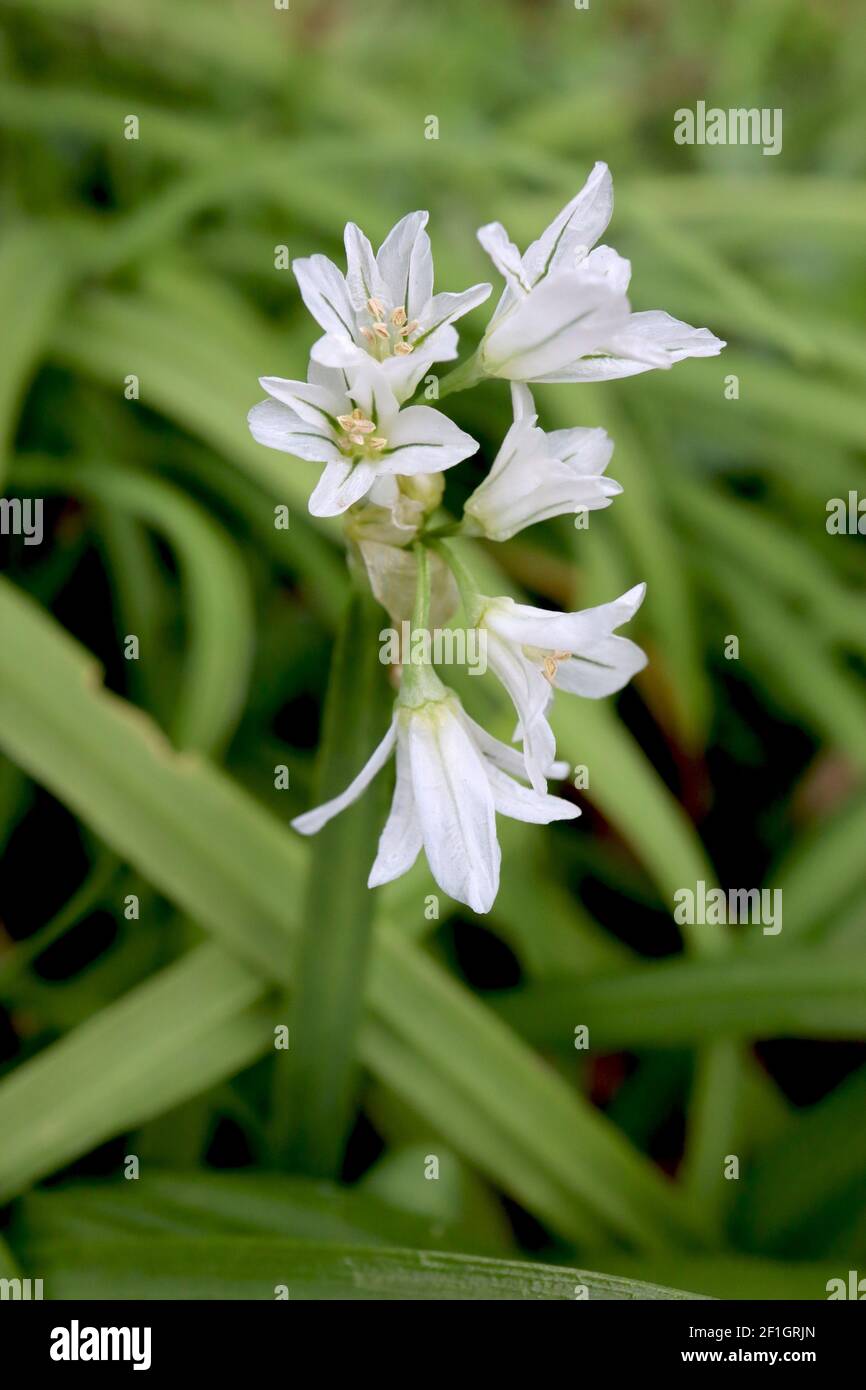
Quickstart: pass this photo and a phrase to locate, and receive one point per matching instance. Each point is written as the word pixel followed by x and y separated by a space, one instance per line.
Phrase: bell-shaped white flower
pixel 534 650
pixel 537 475
pixel 352 423
pixel 384 307
pixel 564 315
pixel 452 778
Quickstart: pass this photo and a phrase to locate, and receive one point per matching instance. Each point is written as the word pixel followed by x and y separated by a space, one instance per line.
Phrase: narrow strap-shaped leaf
pixel 332 951
pixel 239 1267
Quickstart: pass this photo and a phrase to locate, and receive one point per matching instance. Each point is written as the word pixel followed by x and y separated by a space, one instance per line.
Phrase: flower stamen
pixel 551 662
pixel 358 433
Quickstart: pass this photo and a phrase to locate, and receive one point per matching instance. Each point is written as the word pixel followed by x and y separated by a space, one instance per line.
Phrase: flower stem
pixel 470 594
pixel 419 682
pixel 421 611
pixel 462 377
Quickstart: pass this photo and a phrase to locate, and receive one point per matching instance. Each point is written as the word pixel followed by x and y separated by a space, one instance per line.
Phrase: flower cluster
pixel 563 316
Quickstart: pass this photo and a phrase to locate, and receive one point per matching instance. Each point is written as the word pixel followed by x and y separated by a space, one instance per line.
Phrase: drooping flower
pixel 537 475
pixel 534 650
pixel 452 778
pixel 352 423
pixel 384 307
pixel 564 315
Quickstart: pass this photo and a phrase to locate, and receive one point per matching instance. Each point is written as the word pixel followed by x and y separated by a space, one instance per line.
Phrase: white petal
pixel 654 332
pixel 340 352
pixel 493 749
pixel 334 379
pixel 455 805
pixel 522 803
pixel 423 440
pixel 363 278
pixel 326 295
pixel 370 389
pixel 648 339
pixel 280 428
pixel 405 263
pixel 603 668
pixel 586 451
pixel 341 485
pixel 445 308
pixel 505 256
pixel 537 475
pixel 530 694
pixel 401 839
pixel 569 315
pixel 404 373
pixel 312 821
pixel 318 405
pixel 563 632
pixel 579 225
pixel 522 404
pixel 609 264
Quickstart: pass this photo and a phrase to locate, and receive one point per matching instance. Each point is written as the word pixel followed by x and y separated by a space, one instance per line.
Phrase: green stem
pixel 461 378
pixel 470 594
pixel 419 682
pixel 421 611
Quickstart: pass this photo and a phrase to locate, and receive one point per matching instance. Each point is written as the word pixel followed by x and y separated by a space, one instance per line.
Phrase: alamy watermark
pixel 20 1290
pixel 846 517
pixel 77 1343
pixel 22 516
pixel 715 907
pixel 737 126
pixel 441 646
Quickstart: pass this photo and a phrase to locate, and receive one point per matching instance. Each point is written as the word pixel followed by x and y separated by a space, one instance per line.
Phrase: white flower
pixel 352 423
pixel 564 315
pixel 452 777
pixel 384 307
pixel 537 475
pixel 532 650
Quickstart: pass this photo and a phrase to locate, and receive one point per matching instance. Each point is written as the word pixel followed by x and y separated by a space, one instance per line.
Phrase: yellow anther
pixel 381 331
pixel 357 427
pixel 377 308
pixel 550 663
pixel 377 443
pixel 403 349
pixel 398 318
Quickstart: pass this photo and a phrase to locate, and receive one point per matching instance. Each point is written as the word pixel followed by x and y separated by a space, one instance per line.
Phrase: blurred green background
pixel 152 1036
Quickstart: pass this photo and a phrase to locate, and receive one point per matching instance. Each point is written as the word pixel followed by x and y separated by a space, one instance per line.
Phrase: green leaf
pixel 666 1003
pixel 168 1039
pixel 333 949
pixel 33 274
pixel 241 1267
pixel 247 1202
